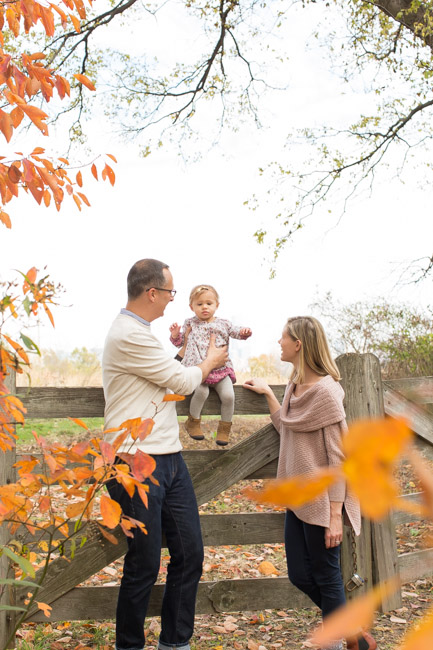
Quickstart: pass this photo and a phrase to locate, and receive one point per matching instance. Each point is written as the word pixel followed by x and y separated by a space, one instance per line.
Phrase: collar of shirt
pixel 126 312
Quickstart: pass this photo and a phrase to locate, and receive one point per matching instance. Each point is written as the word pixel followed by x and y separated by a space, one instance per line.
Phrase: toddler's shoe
pixel 223 433
pixel 192 426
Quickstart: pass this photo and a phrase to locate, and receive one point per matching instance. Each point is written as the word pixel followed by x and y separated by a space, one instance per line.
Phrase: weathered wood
pixel 43 402
pixel 197 459
pixel 217 530
pixel 237 463
pixel 362 383
pixel 99 603
pixel 421 422
pixel 420 388
pixel 7 593
pixel 403 517
pixel 385 559
pixel 363 558
pixel 416 565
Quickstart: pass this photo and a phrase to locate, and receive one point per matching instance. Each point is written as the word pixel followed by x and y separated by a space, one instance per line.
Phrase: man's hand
pixel 216 357
pixel 245 332
pixel 174 331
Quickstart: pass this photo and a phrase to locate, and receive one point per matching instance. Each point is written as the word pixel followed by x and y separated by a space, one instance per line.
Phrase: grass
pixel 53 429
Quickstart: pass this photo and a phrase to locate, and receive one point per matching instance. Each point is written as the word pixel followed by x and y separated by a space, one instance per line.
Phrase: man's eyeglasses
pixel 172 292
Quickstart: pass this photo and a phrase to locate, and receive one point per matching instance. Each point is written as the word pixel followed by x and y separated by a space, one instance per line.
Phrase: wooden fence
pixel 216 470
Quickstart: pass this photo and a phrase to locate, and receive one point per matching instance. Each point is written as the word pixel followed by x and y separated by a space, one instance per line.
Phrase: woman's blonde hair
pixel 201 288
pixel 314 350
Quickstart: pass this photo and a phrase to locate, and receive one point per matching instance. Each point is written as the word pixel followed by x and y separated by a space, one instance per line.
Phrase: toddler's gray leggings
pixel 225 391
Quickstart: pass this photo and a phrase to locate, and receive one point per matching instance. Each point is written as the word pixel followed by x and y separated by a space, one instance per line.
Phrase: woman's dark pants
pixel 312 567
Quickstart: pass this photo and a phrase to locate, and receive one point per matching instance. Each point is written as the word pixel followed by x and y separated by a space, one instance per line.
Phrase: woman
pixel 311 422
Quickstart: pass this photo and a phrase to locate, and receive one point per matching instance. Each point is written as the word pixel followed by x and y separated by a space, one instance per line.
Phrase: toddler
pixel 204 301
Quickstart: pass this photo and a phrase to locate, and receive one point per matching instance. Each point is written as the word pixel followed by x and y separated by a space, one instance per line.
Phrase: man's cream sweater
pixel 137 372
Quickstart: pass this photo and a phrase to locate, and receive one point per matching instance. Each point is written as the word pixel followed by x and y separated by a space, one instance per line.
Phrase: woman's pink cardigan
pixel 311 428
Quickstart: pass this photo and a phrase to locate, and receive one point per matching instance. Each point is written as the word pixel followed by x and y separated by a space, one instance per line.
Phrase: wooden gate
pixel 212 472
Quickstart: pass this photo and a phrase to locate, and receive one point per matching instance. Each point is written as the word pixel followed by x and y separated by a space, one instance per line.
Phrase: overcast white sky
pixel 193 218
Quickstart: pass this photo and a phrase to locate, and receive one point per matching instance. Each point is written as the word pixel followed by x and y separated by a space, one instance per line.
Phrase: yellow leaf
pixel 296 491
pixel 346 621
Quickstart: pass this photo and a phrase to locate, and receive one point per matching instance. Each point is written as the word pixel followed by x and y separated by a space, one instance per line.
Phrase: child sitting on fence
pixel 204 301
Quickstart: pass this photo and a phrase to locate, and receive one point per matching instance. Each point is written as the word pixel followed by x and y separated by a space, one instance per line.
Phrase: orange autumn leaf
pixel 296 491
pixel 84 199
pixel 111 538
pixel 346 621
pixel 107 172
pixel 31 275
pixel 267 569
pixel 79 179
pixel 75 22
pixel 94 171
pixel 142 465
pixel 372 447
pixel 420 638
pixel 75 509
pixel 85 81
pixel 80 423
pixel 172 397
pixel 44 608
pixel 110 511
pixel 145 428
pixel 5 219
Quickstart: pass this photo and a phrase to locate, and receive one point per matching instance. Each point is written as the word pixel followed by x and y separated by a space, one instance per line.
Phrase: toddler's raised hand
pixel 174 330
pixel 245 332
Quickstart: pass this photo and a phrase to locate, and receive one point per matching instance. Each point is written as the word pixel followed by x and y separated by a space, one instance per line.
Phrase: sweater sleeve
pixel 235 332
pixel 332 435
pixel 276 420
pixel 148 359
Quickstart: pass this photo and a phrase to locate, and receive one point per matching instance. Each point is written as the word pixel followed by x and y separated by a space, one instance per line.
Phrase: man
pixel 137 373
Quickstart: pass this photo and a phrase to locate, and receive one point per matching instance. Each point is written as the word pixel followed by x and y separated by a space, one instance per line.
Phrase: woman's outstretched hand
pixel 257 385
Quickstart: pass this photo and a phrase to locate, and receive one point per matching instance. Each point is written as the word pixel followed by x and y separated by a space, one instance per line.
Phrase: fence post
pixel 7 475
pixel 376 546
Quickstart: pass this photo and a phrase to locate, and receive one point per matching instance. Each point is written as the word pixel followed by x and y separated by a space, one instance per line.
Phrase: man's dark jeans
pixel 172 509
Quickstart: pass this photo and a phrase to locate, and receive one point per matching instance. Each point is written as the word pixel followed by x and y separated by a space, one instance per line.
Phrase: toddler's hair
pixel 315 350
pixel 201 288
